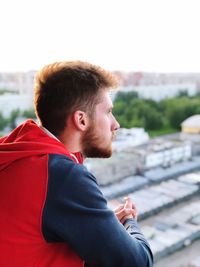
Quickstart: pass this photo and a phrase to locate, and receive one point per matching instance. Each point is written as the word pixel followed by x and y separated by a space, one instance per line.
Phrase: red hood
pixel 27 140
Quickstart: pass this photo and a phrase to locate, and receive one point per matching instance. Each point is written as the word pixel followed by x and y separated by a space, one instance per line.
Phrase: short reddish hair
pixel 64 87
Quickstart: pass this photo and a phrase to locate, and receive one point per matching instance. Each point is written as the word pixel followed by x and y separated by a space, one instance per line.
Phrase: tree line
pixel 168 114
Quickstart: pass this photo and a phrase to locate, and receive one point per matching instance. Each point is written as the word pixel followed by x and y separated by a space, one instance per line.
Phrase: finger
pixel 120 207
pixel 133 206
pixel 125 212
pixel 128 203
pixel 132 215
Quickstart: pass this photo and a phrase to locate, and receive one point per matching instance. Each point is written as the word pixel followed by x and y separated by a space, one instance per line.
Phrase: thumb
pixel 128 203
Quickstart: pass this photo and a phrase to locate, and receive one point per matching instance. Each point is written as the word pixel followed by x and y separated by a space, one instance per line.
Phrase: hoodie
pixel 23 188
pixel 53 213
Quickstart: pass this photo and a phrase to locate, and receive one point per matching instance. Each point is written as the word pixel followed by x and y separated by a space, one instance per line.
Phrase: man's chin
pixel 99 156
pixel 98 153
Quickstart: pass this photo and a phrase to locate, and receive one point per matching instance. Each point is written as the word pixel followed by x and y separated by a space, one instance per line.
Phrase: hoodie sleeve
pixel 76 212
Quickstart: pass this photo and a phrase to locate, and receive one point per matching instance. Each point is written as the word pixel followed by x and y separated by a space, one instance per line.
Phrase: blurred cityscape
pixel 16 88
pixel 161 174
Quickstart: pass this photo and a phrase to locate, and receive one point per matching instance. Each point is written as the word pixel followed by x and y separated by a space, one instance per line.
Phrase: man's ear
pixel 80 119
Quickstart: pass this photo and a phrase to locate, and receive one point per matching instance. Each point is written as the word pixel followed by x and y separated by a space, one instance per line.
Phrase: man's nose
pixel 116 124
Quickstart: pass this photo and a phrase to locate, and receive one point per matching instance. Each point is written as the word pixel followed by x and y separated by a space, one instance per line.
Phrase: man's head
pixel 63 88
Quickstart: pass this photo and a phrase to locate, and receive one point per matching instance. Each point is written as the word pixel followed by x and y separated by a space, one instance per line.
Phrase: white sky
pixel 137 35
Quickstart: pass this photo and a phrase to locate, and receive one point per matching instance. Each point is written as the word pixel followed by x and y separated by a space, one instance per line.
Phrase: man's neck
pixel 53 136
pixel 48 133
pixel 71 140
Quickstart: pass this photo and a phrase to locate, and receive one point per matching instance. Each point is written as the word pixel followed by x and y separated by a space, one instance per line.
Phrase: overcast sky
pixel 137 35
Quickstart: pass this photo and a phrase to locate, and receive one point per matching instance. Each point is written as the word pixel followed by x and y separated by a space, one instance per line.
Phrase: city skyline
pixel 129 35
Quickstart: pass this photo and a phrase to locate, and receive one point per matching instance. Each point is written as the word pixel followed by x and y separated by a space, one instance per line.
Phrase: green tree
pixel 183 93
pixel 29 113
pixel 132 111
pixel 13 116
pixel 126 97
pixel 178 109
pixel 3 122
pixel 4 91
pixel 152 119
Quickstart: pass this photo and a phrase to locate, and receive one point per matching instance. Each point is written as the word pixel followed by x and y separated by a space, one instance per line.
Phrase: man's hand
pixel 126 211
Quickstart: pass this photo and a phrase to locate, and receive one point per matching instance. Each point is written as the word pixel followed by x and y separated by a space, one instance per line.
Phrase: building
pixel 18 82
pixel 191 125
pixel 161 91
pixel 162 154
pixel 10 102
pixel 110 170
pixel 126 138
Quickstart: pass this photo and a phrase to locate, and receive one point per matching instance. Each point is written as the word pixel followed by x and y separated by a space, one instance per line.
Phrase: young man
pixel 53 213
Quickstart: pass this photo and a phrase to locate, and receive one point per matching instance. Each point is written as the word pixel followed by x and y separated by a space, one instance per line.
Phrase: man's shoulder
pixel 62 161
pixel 57 159
pixel 65 165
